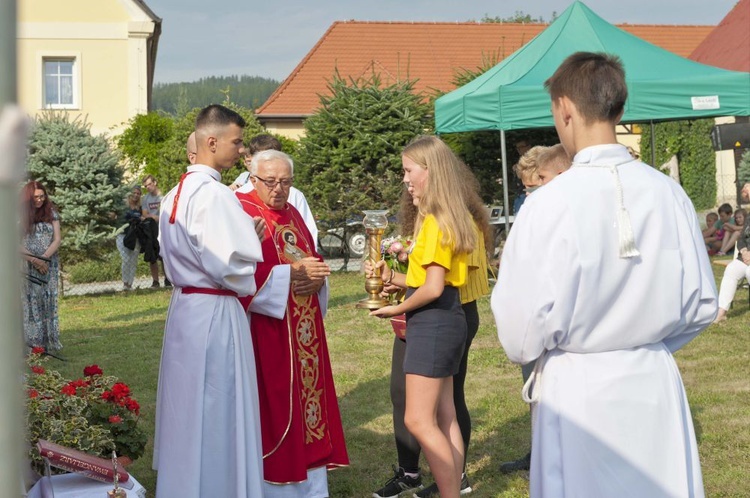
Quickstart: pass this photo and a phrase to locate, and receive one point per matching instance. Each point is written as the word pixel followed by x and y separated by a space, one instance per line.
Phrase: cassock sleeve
pixel 527 289
pixel 226 239
pixel 271 299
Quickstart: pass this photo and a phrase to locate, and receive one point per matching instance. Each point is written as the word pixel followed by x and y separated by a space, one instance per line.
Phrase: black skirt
pixel 435 336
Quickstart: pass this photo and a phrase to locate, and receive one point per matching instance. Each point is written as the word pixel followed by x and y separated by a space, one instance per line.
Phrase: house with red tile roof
pixel 728 45
pixel 428 52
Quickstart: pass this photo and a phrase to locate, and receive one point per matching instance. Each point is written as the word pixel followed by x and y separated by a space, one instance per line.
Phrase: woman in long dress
pixel 41 240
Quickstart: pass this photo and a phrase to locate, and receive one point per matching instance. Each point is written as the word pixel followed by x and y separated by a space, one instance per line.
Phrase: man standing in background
pixel 150 206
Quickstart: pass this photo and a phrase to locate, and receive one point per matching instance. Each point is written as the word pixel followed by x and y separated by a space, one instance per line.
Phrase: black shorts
pixel 435 336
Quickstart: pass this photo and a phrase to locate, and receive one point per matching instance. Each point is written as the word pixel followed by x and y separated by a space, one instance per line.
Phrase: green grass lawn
pixel 123 334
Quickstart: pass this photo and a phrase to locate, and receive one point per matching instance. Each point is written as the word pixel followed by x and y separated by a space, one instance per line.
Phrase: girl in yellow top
pixel 435 321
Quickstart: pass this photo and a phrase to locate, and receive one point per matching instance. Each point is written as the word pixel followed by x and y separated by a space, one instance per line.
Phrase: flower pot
pixel 399 326
pixel 125 461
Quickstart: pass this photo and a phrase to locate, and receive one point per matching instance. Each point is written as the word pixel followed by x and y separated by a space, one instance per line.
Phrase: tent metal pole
pixel 11 344
pixel 506 205
pixel 653 145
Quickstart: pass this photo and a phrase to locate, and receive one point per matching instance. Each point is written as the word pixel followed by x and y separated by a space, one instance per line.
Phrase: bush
pixel 95 414
pixel 743 170
pixel 83 178
pixel 106 268
pixel 141 142
pixel 690 141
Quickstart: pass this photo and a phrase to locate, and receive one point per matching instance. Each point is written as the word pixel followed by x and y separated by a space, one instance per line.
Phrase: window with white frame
pixel 60 82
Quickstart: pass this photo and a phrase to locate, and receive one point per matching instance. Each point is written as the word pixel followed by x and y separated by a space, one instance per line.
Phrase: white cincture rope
pixel 624 228
pixel 533 384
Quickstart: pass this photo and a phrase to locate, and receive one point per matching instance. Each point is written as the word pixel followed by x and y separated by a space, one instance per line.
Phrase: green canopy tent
pixel 661 85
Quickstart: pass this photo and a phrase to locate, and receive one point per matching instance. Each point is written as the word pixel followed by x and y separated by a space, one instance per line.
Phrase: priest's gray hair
pixel 270 155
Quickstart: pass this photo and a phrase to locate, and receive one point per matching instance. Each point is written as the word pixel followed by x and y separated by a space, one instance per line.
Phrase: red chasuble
pixel 299 413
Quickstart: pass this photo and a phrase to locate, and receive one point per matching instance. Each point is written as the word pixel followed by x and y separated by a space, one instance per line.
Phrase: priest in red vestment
pixel 300 419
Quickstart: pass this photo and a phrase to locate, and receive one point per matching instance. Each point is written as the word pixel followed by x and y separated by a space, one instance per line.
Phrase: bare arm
pixel 398 279
pixel 425 294
pixel 56 240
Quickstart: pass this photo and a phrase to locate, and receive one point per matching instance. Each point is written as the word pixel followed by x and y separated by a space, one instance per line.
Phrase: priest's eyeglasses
pixel 272 182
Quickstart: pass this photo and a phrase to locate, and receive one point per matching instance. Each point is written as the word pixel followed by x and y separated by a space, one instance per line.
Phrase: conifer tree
pixel 350 157
pixel 83 178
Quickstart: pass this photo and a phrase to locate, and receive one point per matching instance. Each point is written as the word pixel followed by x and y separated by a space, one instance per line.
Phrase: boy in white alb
pixel 603 277
pixel 207 440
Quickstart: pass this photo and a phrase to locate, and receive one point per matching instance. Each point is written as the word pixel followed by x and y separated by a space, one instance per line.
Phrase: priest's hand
pixel 309 269
pixel 260 227
pixel 307 288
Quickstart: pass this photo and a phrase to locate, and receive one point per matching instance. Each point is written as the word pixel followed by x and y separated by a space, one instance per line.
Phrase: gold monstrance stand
pixel 375 223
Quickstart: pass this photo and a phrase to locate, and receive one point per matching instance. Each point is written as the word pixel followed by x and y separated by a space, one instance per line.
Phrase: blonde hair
pixel 446 194
pixel 526 167
pixel 553 157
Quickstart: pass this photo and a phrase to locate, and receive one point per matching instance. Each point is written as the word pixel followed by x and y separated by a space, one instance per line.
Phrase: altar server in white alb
pixel 603 277
pixel 207 440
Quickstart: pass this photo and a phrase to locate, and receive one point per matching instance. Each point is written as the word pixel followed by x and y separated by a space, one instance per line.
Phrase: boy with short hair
pixel 551 162
pixel 603 277
pixel 257 144
pixel 721 226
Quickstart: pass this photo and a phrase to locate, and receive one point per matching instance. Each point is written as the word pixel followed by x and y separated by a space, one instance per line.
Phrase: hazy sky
pixel 269 38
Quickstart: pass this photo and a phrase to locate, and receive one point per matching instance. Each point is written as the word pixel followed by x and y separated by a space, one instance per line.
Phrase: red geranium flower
pixel 115 419
pixel 37 350
pixel 107 395
pixel 120 390
pixel 33 393
pixel 37 369
pixel 69 389
pixel 133 406
pixel 92 370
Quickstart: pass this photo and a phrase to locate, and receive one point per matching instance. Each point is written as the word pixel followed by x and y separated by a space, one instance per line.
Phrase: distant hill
pixel 247 91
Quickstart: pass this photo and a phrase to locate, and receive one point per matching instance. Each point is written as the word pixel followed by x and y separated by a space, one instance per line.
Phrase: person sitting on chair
pixel 735 271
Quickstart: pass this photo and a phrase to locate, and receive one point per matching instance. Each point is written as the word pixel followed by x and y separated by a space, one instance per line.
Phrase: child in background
pixel 716 239
pixel 732 232
pixel 551 162
pixel 525 170
pixel 711 219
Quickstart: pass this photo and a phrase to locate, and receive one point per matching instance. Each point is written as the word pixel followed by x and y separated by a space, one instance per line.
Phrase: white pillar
pixel 12 145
